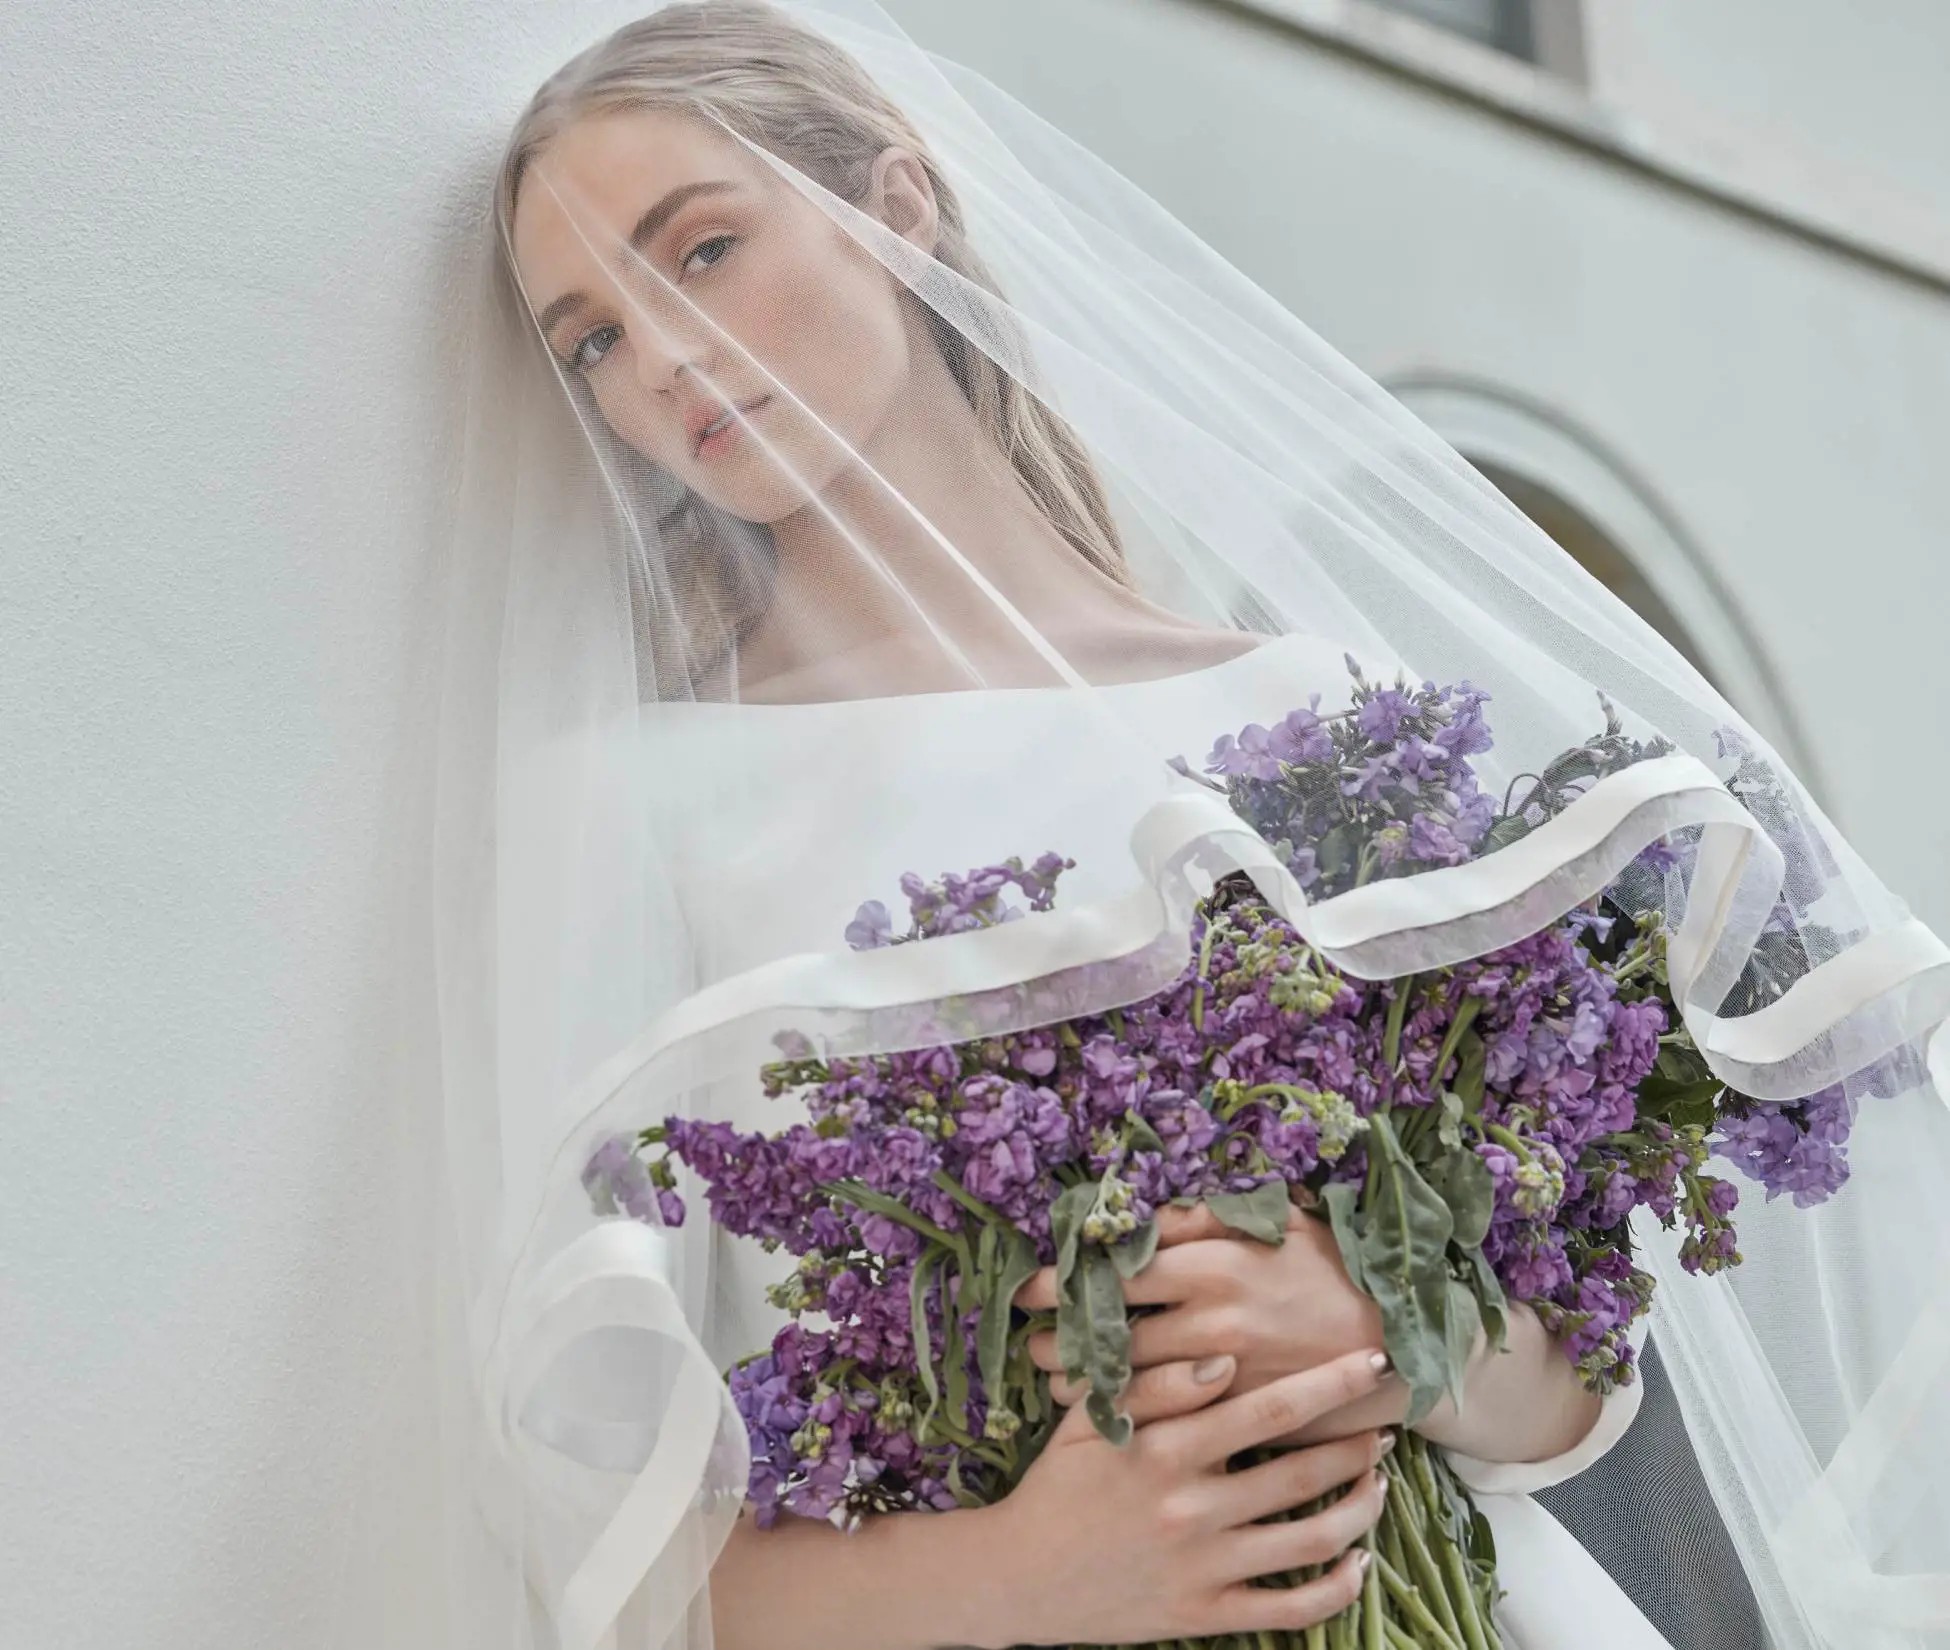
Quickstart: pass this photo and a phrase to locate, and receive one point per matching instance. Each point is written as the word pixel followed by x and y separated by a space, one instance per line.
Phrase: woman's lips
pixel 724 431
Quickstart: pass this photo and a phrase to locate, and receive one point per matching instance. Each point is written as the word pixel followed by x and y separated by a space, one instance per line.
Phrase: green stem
pixel 1469 1009
pixel 1472 1612
pixel 1503 1137
pixel 968 1200
pixel 1372 1623
pixel 1204 964
pixel 1464 1596
pixel 1418 1507
pixel 1391 1037
pixel 1434 1635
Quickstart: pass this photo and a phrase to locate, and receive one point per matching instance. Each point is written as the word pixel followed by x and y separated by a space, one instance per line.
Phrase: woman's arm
pixel 1278 1309
pixel 1525 1403
pixel 1187 1534
pixel 910 1581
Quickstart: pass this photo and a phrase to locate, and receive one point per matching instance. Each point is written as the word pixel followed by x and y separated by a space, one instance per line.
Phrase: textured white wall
pixel 1856 92
pixel 227 228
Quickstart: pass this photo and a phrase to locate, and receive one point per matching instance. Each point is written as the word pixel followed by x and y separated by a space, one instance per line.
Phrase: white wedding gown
pixel 939 809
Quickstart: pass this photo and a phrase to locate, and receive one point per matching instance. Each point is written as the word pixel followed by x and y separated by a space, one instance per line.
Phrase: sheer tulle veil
pixel 697 515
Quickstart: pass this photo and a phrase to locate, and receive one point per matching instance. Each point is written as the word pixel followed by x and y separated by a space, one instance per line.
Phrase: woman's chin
pixel 765 487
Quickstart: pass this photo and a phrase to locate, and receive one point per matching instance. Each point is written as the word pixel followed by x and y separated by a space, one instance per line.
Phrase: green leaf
pixel 1404 1263
pixel 967 1199
pixel 1142 1133
pixel 1342 1200
pixel 1066 1217
pixel 1093 1338
pixel 1110 1346
pixel 1018 1265
pixel 1510 828
pixel 974 1287
pixel 954 1372
pixel 1490 1299
pixel 1471 1072
pixel 1680 1063
pixel 1461 1319
pixel 879 1203
pixel 1468 1187
pixel 1684 1105
pixel 1134 1254
pixel 917 1306
pixel 1448 1129
pixel 1336 851
pixel 1261 1213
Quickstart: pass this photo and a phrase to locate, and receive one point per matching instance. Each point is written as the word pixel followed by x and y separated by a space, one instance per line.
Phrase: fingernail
pixel 1362 1559
pixel 1382 1479
pixel 1208 1370
pixel 1379 1363
pixel 1387 1443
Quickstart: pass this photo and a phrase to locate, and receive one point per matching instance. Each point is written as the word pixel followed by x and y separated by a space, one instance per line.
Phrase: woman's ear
pixel 902 197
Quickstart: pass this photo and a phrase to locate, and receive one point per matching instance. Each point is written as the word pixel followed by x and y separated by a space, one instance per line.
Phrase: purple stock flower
pixel 1259 1065
pixel 870 928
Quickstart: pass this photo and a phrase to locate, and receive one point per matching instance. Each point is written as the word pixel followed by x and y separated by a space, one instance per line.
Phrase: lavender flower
pixel 1541 1094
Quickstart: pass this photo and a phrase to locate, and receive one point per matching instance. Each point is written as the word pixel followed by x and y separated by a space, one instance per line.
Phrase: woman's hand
pixel 1097 1545
pixel 1275 1310
pixel 1278 1310
pixel 1157 1540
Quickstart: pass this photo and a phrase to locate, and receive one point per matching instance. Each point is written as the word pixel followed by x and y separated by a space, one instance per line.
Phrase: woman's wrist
pixel 958 1575
pixel 936 1580
pixel 1524 1402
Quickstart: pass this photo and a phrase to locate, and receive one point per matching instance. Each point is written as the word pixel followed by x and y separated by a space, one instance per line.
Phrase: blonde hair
pixel 790 91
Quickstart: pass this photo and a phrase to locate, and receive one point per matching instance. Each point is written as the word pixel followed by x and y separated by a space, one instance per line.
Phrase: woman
pixel 821 587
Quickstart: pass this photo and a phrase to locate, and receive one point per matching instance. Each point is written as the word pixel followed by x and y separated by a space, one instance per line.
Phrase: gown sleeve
pixel 1619 1409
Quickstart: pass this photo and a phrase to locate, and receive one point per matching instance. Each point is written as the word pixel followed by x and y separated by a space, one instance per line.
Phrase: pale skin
pixel 1294 1306
pixel 674 271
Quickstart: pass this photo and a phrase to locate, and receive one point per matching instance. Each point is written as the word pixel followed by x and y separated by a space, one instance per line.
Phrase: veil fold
pixel 730 648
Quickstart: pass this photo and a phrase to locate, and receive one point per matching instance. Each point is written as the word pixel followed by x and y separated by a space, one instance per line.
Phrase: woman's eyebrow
pixel 667 208
pixel 645 232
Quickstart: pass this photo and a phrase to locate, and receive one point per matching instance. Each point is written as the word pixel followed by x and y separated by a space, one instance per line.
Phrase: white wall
pixel 226 228
pixel 223 320
pixel 1855 94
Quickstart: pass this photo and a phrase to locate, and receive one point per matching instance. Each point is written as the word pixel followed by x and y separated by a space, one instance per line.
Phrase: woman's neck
pixel 932 538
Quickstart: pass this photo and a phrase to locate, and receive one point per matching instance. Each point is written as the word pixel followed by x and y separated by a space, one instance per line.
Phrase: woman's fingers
pixel 1177 1224
pixel 1250 1609
pixel 1268 1549
pixel 1299 1476
pixel 1178 1274
pixel 1039 1293
pixel 1163 1338
pixel 1274 1410
pixel 1170 1390
pixel 1197 1253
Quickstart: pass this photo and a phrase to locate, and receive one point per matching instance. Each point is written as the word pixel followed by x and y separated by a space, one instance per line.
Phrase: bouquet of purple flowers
pixel 1474 1134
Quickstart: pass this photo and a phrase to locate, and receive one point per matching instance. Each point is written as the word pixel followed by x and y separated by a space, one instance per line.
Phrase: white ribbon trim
pixel 612 1274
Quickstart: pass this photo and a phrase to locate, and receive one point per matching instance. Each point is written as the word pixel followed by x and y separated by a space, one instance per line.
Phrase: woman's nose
pixel 664 352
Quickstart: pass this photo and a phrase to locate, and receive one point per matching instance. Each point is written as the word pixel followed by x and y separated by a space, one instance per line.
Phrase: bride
pixel 859 480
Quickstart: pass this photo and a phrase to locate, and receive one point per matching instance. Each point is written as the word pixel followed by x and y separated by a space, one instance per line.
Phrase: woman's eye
pixel 593 346
pixel 706 253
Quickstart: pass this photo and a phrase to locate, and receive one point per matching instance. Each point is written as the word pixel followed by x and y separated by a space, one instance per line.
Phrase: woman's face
pixel 689 284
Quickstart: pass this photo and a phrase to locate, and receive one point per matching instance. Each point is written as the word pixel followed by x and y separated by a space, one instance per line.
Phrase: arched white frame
pixel 1499 429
